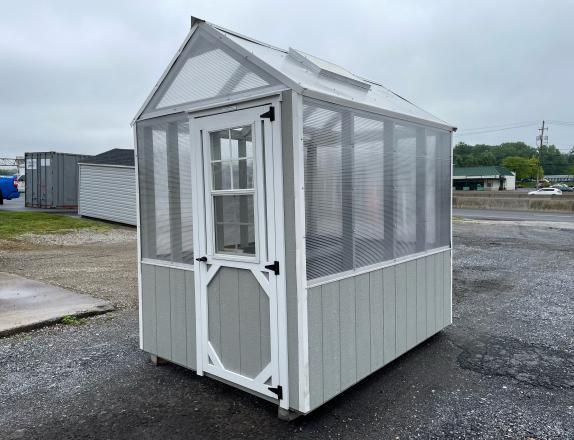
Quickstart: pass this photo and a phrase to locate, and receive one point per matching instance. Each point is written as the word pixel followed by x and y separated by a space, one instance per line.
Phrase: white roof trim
pixel 166 71
pixel 372 109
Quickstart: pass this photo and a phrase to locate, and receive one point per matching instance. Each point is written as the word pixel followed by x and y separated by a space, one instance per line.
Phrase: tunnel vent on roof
pixel 325 68
pixel 207 69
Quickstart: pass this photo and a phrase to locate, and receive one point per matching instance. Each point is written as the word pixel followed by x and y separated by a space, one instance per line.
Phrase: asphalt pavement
pixel 492 214
pixel 503 369
pixel 18 205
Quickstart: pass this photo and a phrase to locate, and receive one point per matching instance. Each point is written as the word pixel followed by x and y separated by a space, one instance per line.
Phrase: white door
pixel 239 248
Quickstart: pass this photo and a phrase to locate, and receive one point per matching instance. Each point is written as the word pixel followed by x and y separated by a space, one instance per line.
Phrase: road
pixel 491 214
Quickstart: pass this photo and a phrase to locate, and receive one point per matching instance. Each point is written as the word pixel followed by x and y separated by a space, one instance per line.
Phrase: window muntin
pixel 164 173
pixel 375 189
pixel 233 191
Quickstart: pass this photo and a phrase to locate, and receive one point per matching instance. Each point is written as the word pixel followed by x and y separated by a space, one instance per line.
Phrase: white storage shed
pixel 294 220
pixel 107 188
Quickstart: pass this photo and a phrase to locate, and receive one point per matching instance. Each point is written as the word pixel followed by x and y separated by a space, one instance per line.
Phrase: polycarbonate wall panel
pixel 375 189
pixel 207 69
pixel 164 166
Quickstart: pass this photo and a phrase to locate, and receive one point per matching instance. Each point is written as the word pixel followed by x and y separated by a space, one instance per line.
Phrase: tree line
pixel 516 156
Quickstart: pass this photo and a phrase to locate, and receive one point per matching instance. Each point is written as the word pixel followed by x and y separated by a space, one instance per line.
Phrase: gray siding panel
pixel 230 354
pixel 148 309
pixel 168 313
pixel 163 308
pixel 190 319
pixel 430 295
pixel 421 300
pixel 401 309
pixel 411 270
pixel 178 318
pixel 108 193
pixel 331 340
pixel 377 323
pixel 389 311
pixel 249 323
pixel 363 325
pixel 358 324
pixel 347 332
pixel 315 326
pixel 238 321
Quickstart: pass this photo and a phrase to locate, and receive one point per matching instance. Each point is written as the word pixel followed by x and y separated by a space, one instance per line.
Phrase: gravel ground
pixel 504 369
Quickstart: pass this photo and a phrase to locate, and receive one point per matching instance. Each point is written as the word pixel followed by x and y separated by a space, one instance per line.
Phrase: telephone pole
pixel 541 138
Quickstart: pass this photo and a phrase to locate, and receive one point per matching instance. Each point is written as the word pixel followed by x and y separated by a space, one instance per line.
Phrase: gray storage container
pixel 52 180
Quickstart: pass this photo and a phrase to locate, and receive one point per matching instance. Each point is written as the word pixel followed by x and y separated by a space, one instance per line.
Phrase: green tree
pixel 520 165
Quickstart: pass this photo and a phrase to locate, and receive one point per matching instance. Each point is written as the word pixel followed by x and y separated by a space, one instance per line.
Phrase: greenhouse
pixel 294 220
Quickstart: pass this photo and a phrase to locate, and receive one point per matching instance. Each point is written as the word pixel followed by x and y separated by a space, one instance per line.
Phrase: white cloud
pixel 73 74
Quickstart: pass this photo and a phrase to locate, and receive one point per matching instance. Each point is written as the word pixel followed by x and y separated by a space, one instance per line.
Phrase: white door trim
pixel 269 228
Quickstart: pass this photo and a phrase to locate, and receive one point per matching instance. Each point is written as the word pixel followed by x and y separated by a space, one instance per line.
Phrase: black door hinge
pixel 274 267
pixel 269 114
pixel 277 390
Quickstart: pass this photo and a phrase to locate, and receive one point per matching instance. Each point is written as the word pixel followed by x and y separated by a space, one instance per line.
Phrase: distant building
pixel 108 186
pixel 485 178
pixel 554 178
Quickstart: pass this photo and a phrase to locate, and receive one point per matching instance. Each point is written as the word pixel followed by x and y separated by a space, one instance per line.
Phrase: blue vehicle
pixel 8 188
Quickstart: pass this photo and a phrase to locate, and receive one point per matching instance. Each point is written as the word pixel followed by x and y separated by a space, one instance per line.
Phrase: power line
pixel 471 131
pixel 499 125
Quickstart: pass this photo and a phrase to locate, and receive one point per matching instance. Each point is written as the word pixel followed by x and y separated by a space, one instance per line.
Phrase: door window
pixel 232 190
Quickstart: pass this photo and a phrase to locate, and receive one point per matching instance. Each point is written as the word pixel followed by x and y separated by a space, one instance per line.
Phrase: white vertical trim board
pixel 139 231
pixel 277 163
pixel 301 259
pixel 198 235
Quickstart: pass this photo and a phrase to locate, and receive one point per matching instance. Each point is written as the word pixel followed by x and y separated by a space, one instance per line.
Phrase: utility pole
pixel 541 138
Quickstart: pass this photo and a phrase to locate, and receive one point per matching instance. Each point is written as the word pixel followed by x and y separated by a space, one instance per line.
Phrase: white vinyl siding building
pixel 294 220
pixel 107 187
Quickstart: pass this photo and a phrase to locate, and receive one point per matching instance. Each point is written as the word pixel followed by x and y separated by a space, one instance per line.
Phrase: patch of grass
pixel 71 320
pixel 13 224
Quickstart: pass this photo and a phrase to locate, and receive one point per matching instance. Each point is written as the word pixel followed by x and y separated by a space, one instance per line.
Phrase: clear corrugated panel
pixel 323 192
pixel 206 69
pixel 375 189
pixel 164 166
pixel 368 183
pixel 405 190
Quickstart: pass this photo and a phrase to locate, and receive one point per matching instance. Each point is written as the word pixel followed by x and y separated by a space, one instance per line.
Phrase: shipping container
pixel 52 180
pixel 294 220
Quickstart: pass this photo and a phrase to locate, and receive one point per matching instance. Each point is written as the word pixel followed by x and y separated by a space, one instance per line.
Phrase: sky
pixel 73 74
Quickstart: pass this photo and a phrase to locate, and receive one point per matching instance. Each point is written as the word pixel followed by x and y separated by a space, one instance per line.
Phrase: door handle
pixel 201 259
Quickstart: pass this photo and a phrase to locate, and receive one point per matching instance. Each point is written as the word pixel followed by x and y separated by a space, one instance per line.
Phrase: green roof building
pixel 483 178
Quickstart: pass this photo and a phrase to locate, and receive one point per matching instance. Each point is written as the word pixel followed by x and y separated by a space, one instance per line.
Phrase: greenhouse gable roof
pixel 310 76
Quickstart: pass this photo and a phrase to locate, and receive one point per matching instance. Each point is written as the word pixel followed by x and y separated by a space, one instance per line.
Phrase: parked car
pixel 22 183
pixel 562 187
pixel 8 188
pixel 546 192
